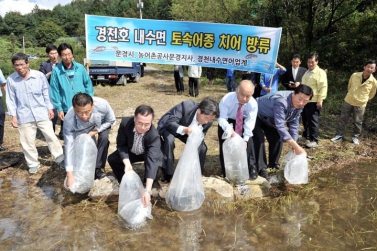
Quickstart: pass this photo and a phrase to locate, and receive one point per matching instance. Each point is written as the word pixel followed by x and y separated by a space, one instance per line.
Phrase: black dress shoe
pixel 99 174
pixel 253 174
pixel 166 178
pixel 2 148
pixel 263 173
pixel 277 167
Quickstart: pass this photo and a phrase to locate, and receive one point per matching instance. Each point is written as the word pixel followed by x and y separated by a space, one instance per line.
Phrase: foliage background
pixel 342 32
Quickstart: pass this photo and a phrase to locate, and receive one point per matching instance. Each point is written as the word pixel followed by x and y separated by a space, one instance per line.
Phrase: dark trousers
pixel 168 146
pixel 274 145
pixel 193 87
pixel 310 117
pixel 116 163
pixel 55 119
pixel 102 147
pixel 61 134
pixel 2 121
pixel 178 82
pixel 250 150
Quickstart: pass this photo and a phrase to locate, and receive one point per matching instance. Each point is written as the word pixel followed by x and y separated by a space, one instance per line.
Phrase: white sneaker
pixel 355 140
pixel 33 170
pixel 303 140
pixel 312 144
pixel 337 138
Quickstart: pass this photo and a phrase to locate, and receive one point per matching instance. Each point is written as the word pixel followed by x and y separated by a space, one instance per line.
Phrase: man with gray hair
pixel 240 109
pixel 175 124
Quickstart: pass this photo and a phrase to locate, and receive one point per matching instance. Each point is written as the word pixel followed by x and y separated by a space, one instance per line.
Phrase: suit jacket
pixel 288 76
pixel 151 143
pixel 180 115
pixel 45 68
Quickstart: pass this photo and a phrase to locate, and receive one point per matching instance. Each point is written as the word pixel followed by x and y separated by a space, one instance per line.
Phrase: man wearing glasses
pixel 93 116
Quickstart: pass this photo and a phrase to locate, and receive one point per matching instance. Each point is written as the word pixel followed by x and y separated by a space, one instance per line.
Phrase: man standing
pixel 2 112
pixel 270 82
pixel 178 78
pixel 194 73
pixel 316 78
pixel 240 110
pixel 67 79
pixel 276 113
pixel 46 68
pixel 175 124
pixel 93 116
pixel 138 140
pixel 230 80
pixel 29 105
pixel 361 88
pixel 293 76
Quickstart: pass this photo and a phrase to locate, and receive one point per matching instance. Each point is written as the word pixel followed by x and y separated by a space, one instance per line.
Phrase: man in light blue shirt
pixel 29 105
pixel 2 113
pixel 93 116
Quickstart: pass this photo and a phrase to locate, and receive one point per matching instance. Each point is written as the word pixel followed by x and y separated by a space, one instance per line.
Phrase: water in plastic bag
pixel 296 168
pixel 235 159
pixel 130 206
pixel 84 164
pixel 186 192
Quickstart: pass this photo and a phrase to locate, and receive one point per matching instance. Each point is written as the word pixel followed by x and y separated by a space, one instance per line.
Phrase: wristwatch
pixel 148 191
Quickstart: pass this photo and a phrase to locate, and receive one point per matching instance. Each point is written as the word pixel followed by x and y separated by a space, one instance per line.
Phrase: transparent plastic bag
pixel 296 168
pixel 130 206
pixel 186 192
pixel 84 164
pixel 235 159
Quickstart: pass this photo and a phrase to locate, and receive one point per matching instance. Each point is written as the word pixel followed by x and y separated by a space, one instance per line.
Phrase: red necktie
pixel 239 120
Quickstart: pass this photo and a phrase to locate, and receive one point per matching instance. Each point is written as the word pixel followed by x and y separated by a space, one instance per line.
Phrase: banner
pixel 239 47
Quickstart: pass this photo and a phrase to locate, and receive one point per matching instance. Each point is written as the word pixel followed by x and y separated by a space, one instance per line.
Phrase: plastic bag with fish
pixel 186 192
pixel 235 159
pixel 84 164
pixel 130 206
pixel 296 168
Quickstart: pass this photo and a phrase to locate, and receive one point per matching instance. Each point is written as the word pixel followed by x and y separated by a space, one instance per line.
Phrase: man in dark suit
pixel 175 124
pixel 46 68
pixel 138 140
pixel 292 77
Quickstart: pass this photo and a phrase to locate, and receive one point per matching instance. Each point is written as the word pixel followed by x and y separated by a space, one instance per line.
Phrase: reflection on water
pixel 335 211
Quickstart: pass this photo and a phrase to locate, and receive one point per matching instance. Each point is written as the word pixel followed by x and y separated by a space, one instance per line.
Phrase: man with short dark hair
pixel 29 105
pixel 138 140
pixel 239 102
pixel 67 79
pixel 46 68
pixel 361 88
pixel 279 121
pixel 293 76
pixel 176 124
pixel 93 116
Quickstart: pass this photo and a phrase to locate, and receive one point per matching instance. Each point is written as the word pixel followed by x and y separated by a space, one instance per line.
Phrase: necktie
pixel 239 120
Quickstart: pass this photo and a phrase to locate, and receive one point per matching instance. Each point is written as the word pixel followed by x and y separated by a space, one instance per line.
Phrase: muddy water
pixel 335 211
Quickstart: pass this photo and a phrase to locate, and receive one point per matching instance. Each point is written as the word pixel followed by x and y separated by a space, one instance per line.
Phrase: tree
pixel 48 32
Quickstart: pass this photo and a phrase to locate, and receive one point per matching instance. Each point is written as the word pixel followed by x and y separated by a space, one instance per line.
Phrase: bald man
pixel 229 105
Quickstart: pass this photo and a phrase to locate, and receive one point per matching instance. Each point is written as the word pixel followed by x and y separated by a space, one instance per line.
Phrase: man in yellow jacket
pixel 316 78
pixel 361 88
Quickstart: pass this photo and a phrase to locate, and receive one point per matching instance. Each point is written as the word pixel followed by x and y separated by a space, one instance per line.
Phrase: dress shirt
pixel 276 110
pixel 28 99
pixel 101 119
pixel 294 73
pixel 2 81
pixel 137 146
pixel 194 121
pixel 228 110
